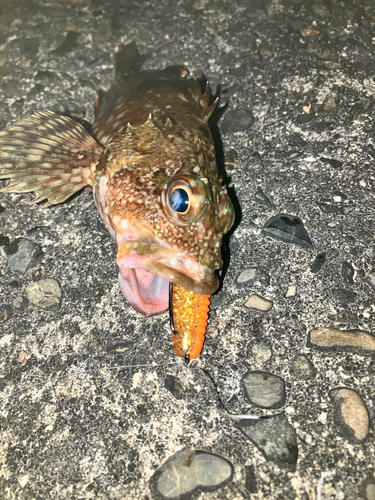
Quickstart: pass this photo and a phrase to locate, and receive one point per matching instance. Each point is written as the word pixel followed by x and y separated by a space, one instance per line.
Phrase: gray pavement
pixel 297 81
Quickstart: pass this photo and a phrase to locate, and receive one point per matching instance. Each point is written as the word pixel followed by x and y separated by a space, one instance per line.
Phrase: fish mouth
pixel 147 268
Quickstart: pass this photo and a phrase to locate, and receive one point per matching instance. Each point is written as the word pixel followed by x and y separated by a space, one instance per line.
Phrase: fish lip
pixel 156 259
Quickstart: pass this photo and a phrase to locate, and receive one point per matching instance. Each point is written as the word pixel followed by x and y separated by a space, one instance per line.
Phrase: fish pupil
pixel 179 200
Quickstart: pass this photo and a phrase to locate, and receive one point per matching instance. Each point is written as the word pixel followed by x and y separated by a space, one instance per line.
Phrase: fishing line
pixel 82 372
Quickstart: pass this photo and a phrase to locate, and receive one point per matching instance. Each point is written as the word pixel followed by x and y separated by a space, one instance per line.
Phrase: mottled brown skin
pixel 151 136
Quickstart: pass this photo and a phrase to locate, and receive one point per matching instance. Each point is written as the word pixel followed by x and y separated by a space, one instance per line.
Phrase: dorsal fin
pixel 47 153
pixel 204 110
pixel 128 60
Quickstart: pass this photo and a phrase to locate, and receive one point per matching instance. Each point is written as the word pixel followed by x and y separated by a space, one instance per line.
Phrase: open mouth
pixel 146 270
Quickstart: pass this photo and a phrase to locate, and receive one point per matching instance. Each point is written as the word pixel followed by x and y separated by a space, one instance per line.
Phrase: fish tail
pixel 47 153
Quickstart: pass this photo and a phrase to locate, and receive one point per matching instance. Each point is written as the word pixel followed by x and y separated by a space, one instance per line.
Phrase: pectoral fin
pixel 47 153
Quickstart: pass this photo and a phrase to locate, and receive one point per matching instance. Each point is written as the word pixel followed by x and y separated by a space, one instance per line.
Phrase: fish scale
pixel 150 144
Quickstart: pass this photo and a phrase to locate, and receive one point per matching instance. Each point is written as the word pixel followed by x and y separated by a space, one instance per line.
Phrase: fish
pixel 151 163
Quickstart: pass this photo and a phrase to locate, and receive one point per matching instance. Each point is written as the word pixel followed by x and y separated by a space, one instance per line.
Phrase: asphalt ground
pixel 296 84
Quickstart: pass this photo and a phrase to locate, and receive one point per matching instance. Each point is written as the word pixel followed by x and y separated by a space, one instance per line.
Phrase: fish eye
pixel 184 198
pixel 179 200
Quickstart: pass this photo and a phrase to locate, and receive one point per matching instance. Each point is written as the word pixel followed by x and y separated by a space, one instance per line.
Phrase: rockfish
pixel 150 160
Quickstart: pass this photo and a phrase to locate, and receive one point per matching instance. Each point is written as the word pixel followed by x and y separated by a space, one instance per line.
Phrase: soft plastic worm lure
pixel 188 312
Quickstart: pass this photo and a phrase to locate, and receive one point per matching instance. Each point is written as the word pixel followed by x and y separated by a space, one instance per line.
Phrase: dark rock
pixel 302 368
pixel 250 479
pixel 262 199
pixel 4 241
pixel 288 229
pixel 347 272
pixel 13 281
pixel 2 209
pixel 264 389
pixel 318 262
pixel 37 89
pixel 237 120
pixel 328 208
pixel 343 296
pixel 23 253
pixel 274 437
pixel 69 44
pixel 296 140
pixel 188 471
pixel 5 313
pixel 29 46
pixel 333 163
pixel 343 317
pixel 173 385
pixel 305 118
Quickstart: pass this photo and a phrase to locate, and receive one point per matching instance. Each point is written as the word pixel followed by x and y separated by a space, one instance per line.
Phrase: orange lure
pixel 189 316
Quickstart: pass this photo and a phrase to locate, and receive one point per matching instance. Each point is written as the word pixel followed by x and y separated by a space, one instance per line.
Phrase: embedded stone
pixel 327 338
pixel 274 437
pixel 302 368
pixel 45 294
pixel 22 253
pixel 264 389
pixel 255 301
pixel 187 471
pixel 350 414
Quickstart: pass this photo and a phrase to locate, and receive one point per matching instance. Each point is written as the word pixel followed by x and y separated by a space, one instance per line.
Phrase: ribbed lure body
pixel 189 316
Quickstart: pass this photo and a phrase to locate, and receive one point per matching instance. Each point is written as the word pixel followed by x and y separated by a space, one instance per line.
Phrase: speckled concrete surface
pixel 302 74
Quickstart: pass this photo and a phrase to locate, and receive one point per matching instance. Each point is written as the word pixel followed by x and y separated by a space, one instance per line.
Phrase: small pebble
pixel 367 490
pixel 344 296
pixel 5 314
pixel 350 414
pixel 291 292
pixel 45 294
pixel 370 280
pixel 347 272
pixel 250 479
pixel 334 163
pixel 22 253
pixel 262 199
pixel 274 437
pixel 264 389
pixel 255 301
pixel 265 53
pixel 262 353
pixel 302 368
pixel 318 263
pixel 187 471
pixel 343 317
pixel 327 107
pixel 20 303
pixel 288 229
pixel 173 385
pixel 4 241
pixel 254 275
pixel 238 120
pixel 327 338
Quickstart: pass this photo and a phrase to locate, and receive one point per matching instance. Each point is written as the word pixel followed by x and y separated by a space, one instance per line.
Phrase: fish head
pixel 167 208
